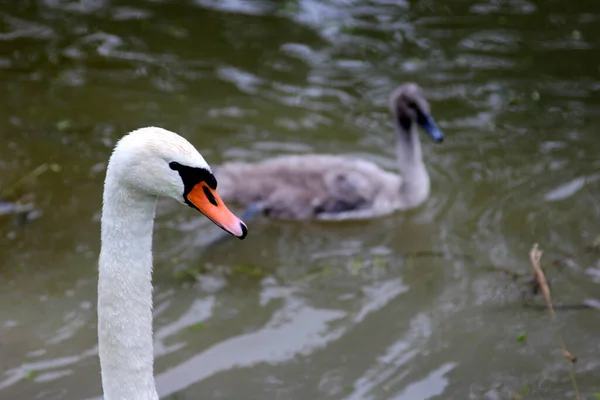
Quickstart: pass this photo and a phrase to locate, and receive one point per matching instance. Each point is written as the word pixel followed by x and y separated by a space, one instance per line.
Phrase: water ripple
pixel 19 28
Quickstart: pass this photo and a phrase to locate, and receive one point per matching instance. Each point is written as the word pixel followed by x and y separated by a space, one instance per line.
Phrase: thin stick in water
pixel 535 256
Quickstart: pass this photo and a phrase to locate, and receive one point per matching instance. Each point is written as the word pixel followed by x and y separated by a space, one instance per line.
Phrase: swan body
pixel 145 164
pixel 336 187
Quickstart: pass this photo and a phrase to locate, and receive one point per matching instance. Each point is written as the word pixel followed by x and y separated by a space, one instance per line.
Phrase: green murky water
pixel 404 307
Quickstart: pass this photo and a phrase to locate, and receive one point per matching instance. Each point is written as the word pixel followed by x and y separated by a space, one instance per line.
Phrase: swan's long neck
pixel 415 179
pixel 125 294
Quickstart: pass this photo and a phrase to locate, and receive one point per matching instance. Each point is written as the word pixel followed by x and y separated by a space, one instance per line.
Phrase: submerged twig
pixel 10 190
pixel 535 256
pixel 564 307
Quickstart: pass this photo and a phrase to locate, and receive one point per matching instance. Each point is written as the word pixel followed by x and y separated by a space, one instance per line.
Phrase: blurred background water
pixel 403 307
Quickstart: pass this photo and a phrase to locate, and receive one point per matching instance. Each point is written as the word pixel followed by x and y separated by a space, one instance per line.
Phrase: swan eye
pixel 191 176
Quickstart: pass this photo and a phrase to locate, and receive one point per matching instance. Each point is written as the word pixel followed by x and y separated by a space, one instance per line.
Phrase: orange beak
pixel 209 203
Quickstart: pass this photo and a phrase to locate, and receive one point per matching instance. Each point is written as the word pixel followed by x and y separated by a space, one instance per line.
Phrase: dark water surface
pixel 403 307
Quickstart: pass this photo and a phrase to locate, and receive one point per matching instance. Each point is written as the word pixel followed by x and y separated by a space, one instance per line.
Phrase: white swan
pixel 145 164
pixel 326 186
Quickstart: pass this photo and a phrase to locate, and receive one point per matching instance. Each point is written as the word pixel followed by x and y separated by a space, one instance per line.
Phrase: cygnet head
pixel 408 105
pixel 159 162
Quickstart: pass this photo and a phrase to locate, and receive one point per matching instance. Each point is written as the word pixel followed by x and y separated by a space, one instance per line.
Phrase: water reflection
pixel 402 307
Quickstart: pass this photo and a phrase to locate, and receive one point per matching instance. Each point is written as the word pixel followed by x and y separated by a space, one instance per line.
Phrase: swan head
pixel 408 105
pixel 159 162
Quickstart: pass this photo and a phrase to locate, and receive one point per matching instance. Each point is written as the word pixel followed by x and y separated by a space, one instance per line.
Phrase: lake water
pixel 407 307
